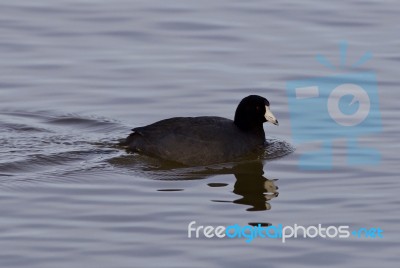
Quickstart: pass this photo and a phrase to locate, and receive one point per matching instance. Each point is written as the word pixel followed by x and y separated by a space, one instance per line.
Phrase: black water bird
pixel 205 140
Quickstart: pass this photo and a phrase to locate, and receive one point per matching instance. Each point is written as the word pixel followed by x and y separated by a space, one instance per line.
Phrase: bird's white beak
pixel 270 117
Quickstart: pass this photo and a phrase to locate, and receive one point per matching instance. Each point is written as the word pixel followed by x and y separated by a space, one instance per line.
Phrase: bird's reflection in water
pixel 255 189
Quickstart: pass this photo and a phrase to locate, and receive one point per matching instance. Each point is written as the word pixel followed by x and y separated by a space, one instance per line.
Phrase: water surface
pixel 76 76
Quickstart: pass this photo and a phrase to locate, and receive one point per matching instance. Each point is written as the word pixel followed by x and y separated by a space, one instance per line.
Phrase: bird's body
pixel 207 139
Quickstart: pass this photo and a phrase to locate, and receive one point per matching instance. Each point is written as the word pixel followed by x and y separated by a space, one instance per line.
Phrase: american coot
pixel 207 139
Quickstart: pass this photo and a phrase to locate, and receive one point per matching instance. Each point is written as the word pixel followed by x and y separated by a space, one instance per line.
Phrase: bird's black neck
pixel 256 129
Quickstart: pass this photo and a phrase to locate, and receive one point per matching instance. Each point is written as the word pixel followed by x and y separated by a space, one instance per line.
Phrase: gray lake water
pixel 76 76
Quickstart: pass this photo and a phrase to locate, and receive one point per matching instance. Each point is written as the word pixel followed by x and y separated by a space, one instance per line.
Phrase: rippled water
pixel 76 76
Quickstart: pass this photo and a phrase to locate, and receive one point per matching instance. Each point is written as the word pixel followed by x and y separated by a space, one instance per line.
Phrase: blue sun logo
pixel 341 105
